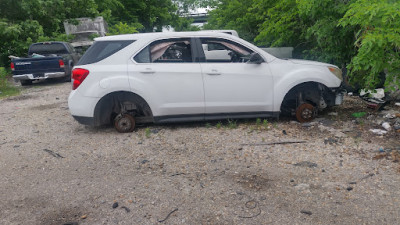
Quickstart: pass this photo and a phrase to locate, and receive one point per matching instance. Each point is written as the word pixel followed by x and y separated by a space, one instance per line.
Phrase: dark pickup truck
pixel 45 60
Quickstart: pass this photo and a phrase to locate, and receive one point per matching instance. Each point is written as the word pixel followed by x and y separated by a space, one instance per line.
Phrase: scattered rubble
pixel 306 164
pixel 115 205
pixel 378 131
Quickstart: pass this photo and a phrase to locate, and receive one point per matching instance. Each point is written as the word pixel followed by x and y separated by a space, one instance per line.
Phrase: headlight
pixel 337 72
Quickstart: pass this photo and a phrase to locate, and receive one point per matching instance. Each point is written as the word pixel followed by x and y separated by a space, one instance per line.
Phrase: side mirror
pixel 255 58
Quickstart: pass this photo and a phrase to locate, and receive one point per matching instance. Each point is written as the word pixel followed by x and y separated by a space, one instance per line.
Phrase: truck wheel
pixel 305 112
pixel 25 82
pixel 67 78
pixel 124 123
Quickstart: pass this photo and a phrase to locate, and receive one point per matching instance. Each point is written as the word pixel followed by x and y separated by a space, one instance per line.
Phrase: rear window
pixel 101 50
pixel 48 48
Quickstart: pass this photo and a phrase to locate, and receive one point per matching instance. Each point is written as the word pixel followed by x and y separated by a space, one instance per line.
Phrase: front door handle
pixel 147 71
pixel 214 72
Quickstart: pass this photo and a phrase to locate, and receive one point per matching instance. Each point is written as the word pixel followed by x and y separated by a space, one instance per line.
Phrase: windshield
pixel 48 48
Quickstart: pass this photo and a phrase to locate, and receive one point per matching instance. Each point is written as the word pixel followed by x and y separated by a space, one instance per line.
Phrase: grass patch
pixel 232 124
pixel 6 88
pixel 147 132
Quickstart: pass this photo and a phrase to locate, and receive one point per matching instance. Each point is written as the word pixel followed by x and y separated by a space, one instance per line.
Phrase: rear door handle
pixel 214 72
pixel 147 71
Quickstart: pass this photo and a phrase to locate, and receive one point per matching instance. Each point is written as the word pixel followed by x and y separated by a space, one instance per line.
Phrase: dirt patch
pixel 20 98
pixel 66 216
pixel 46 107
pixel 56 171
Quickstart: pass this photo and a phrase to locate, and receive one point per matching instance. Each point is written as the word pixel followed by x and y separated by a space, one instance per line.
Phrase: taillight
pixel 12 66
pixel 61 63
pixel 79 75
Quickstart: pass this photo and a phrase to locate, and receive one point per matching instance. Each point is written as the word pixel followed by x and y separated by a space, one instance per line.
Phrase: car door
pixel 232 85
pixel 169 80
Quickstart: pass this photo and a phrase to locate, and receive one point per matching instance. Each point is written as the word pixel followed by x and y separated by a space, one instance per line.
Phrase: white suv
pixel 194 76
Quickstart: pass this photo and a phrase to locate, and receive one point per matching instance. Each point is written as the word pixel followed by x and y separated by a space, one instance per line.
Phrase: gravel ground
pixel 56 171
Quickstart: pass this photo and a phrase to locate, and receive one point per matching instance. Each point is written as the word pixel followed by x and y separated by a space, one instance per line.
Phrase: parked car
pixel 45 60
pixel 169 77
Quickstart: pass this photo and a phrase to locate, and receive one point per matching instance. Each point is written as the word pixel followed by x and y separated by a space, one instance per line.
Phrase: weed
pixel 258 122
pixel 265 123
pixel 147 132
pixel 263 139
pixel 208 125
pixel 219 125
pixel 251 130
pixel 232 124
pixel 6 89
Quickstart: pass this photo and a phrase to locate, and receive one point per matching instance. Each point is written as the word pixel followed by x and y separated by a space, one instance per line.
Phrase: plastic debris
pixel 358 114
pixel 378 131
pixel 397 104
pixel 34 55
pixel 387 126
pixel 377 93
pixel 333 114
pixel 375 97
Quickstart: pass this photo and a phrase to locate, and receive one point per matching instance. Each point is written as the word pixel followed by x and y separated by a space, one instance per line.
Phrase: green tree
pixel 124 28
pixel 239 15
pixel 152 14
pixel 377 23
pixel 27 21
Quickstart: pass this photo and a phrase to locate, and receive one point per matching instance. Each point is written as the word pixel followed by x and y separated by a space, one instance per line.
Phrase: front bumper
pixel 39 76
pixel 337 94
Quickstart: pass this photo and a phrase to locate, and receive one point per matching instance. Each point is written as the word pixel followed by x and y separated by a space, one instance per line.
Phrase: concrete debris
pixel 387 126
pixel 378 131
pixel 390 116
pixel 302 187
pixel 332 130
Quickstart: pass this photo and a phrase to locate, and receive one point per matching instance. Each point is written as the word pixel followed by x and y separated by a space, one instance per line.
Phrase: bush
pixel 3 78
pixel 5 88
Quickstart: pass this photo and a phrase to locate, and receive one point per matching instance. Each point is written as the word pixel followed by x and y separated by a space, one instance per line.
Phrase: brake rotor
pixel 124 123
pixel 305 113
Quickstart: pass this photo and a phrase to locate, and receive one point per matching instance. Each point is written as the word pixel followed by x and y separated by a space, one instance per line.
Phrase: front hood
pixel 308 62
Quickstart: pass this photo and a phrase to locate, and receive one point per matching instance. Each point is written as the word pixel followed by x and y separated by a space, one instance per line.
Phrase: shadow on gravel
pixel 70 216
pixel 41 83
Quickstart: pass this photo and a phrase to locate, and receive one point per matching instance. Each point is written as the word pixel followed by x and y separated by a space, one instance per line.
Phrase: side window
pixel 101 50
pixel 166 51
pixel 224 51
pixel 143 56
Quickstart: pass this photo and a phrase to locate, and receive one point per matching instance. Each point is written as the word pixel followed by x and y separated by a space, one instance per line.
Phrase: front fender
pixel 285 83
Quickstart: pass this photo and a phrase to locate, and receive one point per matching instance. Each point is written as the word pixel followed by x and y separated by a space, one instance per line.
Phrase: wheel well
pixel 314 93
pixel 115 103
